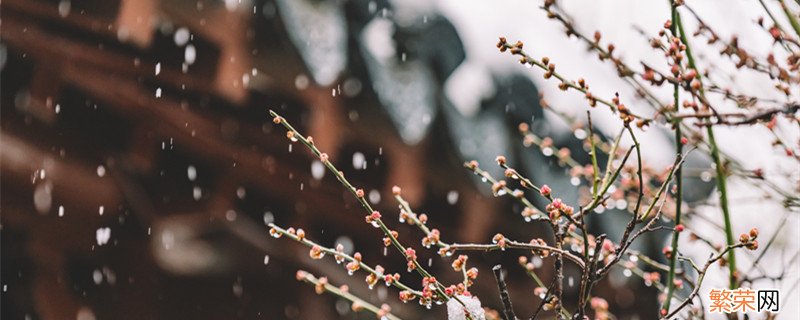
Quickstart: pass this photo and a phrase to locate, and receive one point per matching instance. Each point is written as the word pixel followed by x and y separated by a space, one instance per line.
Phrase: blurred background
pixel 140 165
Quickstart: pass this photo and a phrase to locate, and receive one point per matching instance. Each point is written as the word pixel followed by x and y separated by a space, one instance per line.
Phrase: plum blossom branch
pixel 321 286
pixel 373 216
pixel 354 262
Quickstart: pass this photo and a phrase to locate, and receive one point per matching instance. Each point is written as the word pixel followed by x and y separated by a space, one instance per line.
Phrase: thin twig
pixel 322 285
pixel 508 309
pixel 701 275
pixel 510 244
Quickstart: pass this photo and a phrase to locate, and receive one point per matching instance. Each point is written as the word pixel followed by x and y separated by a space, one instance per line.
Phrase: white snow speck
pixel 97 276
pixel 103 235
pixel 317 169
pixel 359 161
pixel 190 54
pixel 580 134
pixel 191 173
pixel 537 262
pixel 347 244
pixel 43 197
pixel 301 82
pixel 374 196
pixel 158 68
pixel 268 217
pixel 197 193
pixel 452 197
pixel 181 36
pixel 627 273
pixel 101 171
pixel 64 7
pixel 230 215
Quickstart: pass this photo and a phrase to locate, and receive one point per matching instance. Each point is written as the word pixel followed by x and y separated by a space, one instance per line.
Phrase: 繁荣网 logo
pixel 743 300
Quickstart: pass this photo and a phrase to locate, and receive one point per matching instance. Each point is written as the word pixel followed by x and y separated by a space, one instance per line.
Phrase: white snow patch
pixel 455 311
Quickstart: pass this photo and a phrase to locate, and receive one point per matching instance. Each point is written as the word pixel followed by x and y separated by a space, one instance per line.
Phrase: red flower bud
pixel 545 190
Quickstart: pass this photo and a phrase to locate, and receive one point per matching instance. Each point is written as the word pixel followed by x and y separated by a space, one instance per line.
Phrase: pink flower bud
pixel 411 254
pixel 545 190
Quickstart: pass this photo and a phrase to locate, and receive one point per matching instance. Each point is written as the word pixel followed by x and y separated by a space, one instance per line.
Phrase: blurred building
pixel 139 163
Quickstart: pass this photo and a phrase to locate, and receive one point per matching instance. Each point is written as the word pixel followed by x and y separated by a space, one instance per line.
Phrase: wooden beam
pixel 136 21
pixel 44 46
